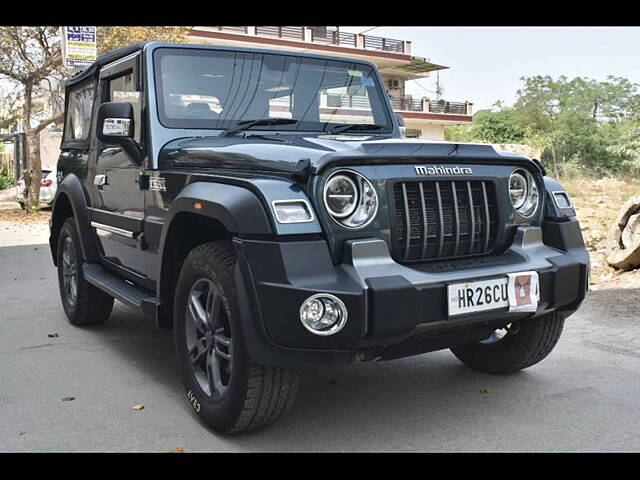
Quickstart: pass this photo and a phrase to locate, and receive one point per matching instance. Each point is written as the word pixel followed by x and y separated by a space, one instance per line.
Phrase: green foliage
pixel 6 179
pixel 489 126
pixel 581 125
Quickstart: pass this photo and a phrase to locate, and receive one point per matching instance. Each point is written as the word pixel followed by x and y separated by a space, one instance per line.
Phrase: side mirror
pixel 116 127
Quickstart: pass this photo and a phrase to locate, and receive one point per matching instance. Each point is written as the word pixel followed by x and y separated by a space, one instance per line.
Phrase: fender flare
pixel 238 209
pixel 72 189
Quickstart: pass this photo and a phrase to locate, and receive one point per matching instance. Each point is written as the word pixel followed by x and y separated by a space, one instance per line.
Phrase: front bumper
pixel 391 305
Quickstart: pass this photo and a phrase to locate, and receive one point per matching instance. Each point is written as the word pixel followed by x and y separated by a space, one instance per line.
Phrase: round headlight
pixel 323 314
pixel 350 199
pixel 517 189
pixel 523 192
pixel 341 196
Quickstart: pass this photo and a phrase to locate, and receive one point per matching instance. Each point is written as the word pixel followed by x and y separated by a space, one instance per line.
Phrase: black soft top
pixel 102 60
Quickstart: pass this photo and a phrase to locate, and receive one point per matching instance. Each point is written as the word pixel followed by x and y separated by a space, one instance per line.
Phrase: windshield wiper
pixel 354 126
pixel 247 124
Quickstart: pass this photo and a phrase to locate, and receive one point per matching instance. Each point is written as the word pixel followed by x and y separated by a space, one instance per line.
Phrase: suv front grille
pixel 443 219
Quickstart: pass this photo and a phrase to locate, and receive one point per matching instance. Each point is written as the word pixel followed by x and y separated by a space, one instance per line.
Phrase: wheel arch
pixel 71 201
pixel 204 212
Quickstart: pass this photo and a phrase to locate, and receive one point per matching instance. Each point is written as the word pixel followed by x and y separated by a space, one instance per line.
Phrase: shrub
pixel 6 179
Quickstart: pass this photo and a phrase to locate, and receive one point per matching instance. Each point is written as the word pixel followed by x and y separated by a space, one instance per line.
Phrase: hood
pixel 286 153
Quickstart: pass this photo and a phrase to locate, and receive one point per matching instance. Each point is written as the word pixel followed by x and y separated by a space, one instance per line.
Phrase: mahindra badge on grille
pixel 441 170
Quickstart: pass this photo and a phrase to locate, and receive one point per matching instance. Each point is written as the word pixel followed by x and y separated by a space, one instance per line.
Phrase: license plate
pixel 478 296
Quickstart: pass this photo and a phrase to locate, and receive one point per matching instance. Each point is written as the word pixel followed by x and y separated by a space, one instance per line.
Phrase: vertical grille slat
pixel 407 221
pixel 487 217
pixel 440 220
pixel 456 216
pixel 443 219
pixel 425 223
pixel 472 213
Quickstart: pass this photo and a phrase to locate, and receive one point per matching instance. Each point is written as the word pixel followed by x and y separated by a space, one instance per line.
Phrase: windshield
pixel 201 89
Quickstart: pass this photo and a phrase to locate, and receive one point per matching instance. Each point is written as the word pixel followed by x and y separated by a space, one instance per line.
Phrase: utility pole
pixel 438 86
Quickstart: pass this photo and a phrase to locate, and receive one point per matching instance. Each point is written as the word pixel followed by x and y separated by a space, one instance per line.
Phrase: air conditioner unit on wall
pixel 393 83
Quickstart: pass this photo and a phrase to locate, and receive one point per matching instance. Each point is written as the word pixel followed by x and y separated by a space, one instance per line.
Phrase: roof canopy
pixel 102 60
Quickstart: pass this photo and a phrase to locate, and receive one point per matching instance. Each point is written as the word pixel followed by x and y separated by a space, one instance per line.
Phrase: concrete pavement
pixel 584 397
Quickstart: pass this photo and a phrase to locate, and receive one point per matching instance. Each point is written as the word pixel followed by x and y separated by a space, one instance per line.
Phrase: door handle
pixel 100 180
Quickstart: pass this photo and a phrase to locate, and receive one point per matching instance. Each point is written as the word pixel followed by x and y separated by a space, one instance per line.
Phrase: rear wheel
pixel 513 347
pixel 83 303
pixel 229 391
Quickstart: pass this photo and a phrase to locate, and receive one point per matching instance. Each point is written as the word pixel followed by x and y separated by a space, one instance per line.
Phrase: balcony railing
pixel 412 104
pixel 348 101
pixel 232 29
pixel 385 44
pixel 407 103
pixel 288 33
pixel 398 103
pixel 442 106
pixel 325 36
pixel 333 37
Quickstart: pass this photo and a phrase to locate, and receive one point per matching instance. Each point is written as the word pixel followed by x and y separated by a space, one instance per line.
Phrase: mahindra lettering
pixel 233 196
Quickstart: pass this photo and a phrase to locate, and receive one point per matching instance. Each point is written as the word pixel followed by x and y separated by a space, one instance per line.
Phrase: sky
pixel 487 62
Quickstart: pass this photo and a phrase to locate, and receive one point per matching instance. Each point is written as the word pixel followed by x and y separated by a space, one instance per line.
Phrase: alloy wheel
pixel 70 271
pixel 208 338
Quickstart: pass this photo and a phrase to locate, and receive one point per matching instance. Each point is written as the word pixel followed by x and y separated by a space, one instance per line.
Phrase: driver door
pixel 118 202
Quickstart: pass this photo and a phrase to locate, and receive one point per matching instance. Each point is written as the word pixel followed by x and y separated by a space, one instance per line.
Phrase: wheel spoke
pixel 198 314
pixel 213 308
pixel 222 346
pixel 213 374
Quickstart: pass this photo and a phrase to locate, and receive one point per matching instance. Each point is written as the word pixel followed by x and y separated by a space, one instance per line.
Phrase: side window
pixel 79 108
pixel 122 89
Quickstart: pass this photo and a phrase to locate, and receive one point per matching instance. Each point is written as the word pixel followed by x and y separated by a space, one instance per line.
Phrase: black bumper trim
pixel 388 303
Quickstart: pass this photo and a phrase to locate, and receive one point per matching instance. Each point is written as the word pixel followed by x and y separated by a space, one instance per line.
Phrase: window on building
pixel 122 89
pixel 79 109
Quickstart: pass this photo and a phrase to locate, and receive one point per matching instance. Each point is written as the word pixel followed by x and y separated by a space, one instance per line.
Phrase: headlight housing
pixel 350 199
pixel 523 192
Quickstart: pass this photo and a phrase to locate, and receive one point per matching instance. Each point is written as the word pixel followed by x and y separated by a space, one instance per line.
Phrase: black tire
pixel 531 343
pixel 89 305
pixel 254 396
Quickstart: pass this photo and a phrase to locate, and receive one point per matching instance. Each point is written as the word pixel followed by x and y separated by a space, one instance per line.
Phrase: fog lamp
pixel 323 314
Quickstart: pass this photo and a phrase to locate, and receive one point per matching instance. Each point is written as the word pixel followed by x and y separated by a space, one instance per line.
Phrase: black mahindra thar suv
pixel 264 205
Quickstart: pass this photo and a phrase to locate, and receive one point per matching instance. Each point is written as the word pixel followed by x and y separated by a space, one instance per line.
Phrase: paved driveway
pixel 584 397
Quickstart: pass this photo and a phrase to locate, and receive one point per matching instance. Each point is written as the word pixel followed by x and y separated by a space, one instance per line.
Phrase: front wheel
pixel 229 392
pixel 513 348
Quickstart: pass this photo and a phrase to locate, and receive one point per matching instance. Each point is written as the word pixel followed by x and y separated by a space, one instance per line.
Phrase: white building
pixel 423 118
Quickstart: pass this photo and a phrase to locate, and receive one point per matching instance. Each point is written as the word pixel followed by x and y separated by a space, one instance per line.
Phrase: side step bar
pixel 128 294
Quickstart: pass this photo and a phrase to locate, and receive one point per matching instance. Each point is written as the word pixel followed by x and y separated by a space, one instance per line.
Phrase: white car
pixel 48 187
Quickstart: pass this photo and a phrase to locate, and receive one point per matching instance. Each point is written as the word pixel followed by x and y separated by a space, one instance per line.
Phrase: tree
pixel 490 126
pixel 110 38
pixel 577 120
pixel 30 57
